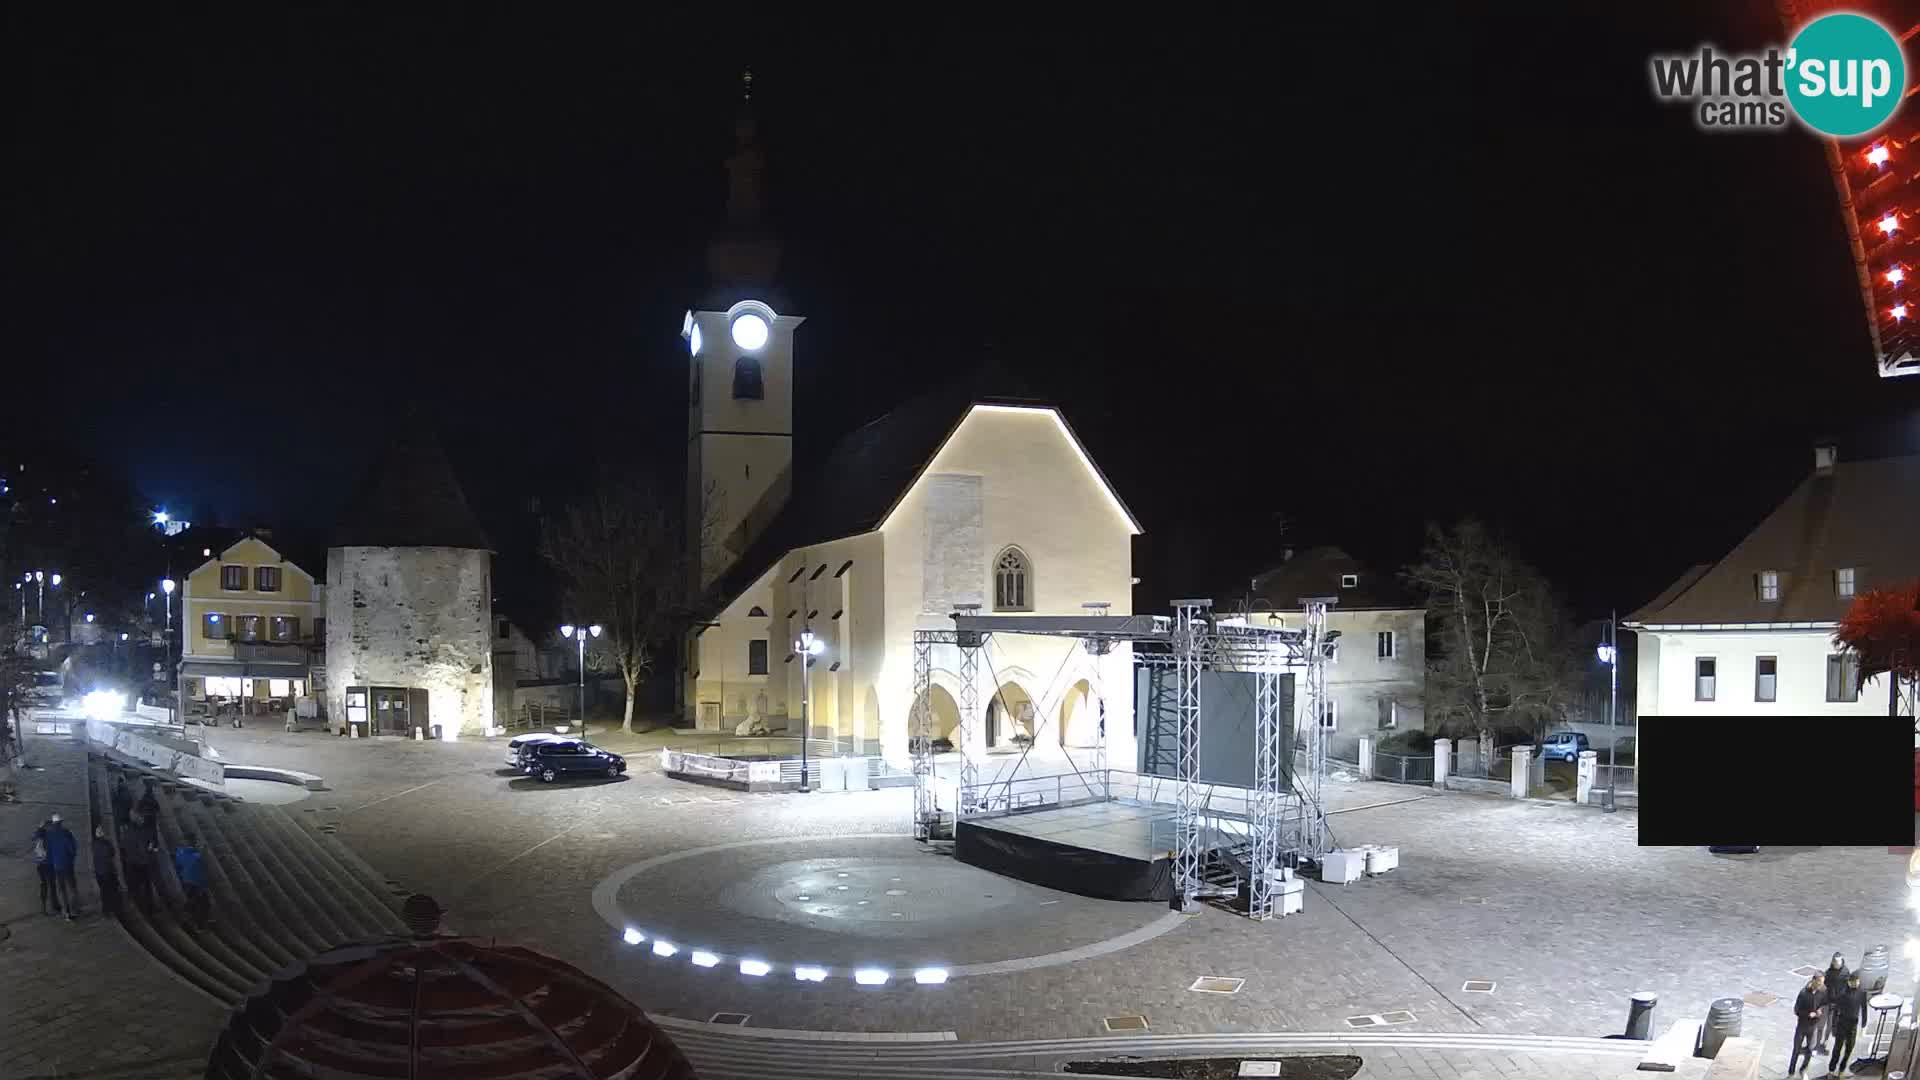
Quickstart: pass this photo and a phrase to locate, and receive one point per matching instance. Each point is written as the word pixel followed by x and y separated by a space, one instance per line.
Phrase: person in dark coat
pixel 122 803
pixel 1846 1010
pixel 190 867
pixel 104 873
pixel 1836 978
pixel 149 803
pixel 139 846
pixel 1806 1012
pixel 44 871
pixel 63 850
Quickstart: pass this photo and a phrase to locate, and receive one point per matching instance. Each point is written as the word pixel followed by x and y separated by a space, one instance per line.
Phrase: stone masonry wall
pixel 414 617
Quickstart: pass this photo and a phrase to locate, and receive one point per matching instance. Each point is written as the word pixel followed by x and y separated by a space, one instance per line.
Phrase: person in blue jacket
pixel 62 851
pixel 190 867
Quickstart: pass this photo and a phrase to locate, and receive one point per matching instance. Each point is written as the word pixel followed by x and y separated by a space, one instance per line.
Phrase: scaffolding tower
pixel 1285 812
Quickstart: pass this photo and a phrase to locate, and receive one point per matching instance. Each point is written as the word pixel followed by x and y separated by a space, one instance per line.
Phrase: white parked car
pixel 521 742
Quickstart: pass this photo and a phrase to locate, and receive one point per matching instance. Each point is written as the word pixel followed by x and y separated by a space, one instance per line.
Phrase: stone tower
pixel 410 602
pixel 740 395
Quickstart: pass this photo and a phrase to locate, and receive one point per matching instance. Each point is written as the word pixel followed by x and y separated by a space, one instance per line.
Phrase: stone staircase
pixel 280 892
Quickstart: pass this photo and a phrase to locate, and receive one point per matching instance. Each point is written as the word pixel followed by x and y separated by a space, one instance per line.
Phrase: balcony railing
pixel 272 652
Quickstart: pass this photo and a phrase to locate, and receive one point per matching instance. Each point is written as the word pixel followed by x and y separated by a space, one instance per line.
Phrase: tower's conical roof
pixel 410 498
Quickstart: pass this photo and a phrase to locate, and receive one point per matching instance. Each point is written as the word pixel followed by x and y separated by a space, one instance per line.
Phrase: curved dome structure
pixel 441 1008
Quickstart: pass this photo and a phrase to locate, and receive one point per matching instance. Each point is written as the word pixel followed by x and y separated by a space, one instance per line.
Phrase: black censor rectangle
pixel 1781 781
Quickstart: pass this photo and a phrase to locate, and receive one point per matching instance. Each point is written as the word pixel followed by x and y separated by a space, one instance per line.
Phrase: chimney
pixel 1824 455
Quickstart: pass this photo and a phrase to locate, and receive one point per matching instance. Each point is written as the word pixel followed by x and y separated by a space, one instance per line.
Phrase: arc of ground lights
pixel 757 968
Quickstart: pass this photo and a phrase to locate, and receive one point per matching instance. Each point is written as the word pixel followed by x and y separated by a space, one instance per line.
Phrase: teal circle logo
pixel 1846 74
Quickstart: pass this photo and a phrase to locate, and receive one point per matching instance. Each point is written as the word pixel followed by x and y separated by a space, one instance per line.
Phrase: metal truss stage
pixel 1279 819
pixel 1105 850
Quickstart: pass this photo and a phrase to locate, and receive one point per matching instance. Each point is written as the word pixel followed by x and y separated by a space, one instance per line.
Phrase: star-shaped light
pixel 1896 275
pixel 1878 155
pixel 1889 223
pixel 1899 312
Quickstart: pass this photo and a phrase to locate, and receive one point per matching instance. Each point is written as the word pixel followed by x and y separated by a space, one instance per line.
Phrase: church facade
pixel 956 498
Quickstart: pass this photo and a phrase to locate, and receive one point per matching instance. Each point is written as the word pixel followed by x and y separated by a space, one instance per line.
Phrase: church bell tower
pixel 740 389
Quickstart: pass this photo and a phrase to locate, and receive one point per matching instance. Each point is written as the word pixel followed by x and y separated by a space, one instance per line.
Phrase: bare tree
pixel 625 555
pixel 1506 649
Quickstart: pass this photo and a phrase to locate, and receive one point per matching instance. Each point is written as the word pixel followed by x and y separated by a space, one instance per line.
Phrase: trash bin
pixel 1873 970
pixel 1723 1023
pixel 1640 1015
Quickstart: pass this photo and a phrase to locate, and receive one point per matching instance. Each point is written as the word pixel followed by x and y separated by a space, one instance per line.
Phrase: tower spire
pixel 745 253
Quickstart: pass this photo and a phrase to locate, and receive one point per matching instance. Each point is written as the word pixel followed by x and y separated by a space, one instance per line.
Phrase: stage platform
pixel 1103 849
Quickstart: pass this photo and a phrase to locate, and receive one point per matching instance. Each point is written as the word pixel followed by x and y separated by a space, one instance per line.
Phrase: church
pixel 954 500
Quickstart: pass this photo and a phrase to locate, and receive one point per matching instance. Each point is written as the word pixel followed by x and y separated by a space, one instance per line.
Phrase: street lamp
pixel 1609 652
pixel 580 634
pixel 167 586
pixel 808 647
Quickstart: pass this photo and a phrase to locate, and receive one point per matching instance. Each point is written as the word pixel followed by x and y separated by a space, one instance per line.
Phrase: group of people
pixel 55 851
pixel 1830 1008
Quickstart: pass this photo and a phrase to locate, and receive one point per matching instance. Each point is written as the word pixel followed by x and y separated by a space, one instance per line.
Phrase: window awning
pixel 251 669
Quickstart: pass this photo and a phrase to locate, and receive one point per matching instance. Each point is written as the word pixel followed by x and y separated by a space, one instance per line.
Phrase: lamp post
pixel 167 586
pixel 1610 655
pixel 580 634
pixel 808 647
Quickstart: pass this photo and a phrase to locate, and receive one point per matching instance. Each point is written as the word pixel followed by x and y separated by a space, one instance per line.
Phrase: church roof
pixel 1860 515
pixel 869 471
pixel 410 498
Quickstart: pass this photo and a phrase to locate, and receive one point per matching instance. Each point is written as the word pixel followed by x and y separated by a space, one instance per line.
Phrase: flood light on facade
pixel 870 977
pixel 807 973
pixel 750 332
pixel 633 937
pixel 702 958
pixel 693 339
pixel 665 948
pixel 930 976
pixel 1878 155
pixel 1889 223
pixel 756 968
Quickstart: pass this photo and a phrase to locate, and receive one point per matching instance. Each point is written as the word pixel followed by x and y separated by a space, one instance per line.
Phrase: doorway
pixel 391 716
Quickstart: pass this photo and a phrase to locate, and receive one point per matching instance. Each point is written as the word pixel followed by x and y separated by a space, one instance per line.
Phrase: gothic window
pixel 1012 581
pixel 746 379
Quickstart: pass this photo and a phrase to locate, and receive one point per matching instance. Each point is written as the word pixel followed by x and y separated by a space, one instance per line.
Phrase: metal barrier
pixel 1625 777
pixel 1403 768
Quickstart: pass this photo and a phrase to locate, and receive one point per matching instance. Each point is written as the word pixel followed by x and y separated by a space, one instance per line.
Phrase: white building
pixel 1377 667
pixel 956 498
pixel 1753 633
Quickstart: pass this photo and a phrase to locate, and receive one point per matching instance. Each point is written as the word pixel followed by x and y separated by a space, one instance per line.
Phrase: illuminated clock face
pixel 693 339
pixel 750 331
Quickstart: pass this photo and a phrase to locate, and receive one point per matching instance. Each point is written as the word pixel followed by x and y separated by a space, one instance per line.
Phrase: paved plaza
pixel 1553 904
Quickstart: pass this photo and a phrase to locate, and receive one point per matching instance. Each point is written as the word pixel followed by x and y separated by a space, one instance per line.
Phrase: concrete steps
pixel 280 892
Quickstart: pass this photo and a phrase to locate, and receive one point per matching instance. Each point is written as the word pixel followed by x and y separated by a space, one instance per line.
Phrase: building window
pixel 1843 677
pixel 757 656
pixel 213 626
pixel 1766 678
pixel 285 628
pixel 1384 645
pixel 266 579
pixel 1389 714
pixel 746 380
pixel 1349 581
pixel 246 627
pixel 757 612
pixel 1329 715
pixel 1769 585
pixel 1704 668
pixel 233 578
pixel 1843 582
pixel 1012 581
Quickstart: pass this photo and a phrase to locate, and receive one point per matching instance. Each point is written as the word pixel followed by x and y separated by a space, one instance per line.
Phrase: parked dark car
pixel 552 760
pixel 519 744
pixel 1563 746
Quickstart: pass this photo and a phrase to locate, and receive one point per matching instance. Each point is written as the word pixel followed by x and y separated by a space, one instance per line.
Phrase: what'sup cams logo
pixel 1843 75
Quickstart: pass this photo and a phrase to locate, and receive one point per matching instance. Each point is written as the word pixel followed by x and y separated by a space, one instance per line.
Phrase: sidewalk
pixel 83 1001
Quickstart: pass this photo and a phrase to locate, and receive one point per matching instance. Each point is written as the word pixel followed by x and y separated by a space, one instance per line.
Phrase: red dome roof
pixel 439 1009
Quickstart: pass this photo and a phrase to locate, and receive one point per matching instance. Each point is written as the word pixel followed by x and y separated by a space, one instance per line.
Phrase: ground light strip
pixel 866 976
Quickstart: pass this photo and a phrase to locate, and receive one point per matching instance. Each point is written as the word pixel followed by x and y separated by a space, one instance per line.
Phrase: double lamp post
pixel 580 634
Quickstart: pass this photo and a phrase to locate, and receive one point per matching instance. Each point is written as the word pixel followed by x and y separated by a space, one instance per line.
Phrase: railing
pixel 1625 777
pixel 1403 768
pixel 998 797
pixel 711 767
pixel 274 652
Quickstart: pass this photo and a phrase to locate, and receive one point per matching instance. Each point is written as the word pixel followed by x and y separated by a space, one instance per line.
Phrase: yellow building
pixel 252 624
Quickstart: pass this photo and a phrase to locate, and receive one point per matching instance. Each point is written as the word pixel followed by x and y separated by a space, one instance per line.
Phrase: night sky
pixel 1360 270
